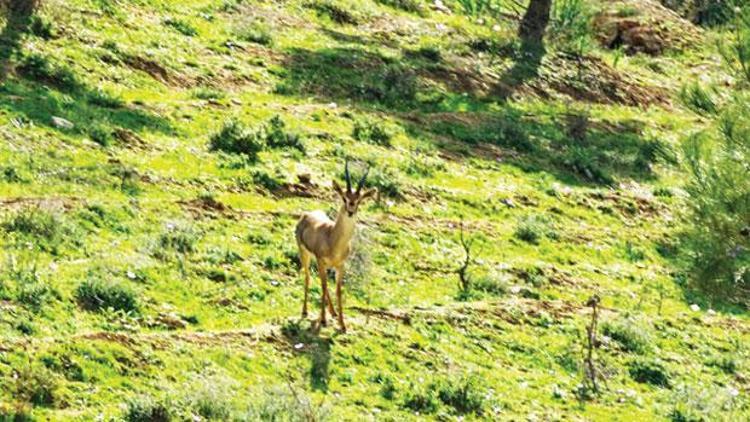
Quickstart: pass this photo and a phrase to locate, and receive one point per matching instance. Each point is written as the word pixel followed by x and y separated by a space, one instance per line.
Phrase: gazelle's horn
pixel 348 178
pixel 362 180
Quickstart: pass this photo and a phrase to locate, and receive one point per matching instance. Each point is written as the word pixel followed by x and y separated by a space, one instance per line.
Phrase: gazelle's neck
pixel 343 229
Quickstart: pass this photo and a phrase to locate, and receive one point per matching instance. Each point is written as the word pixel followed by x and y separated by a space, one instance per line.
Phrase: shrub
pixel 41 27
pixel 35 294
pixel 421 398
pixel 38 67
pixel 36 385
pixel 266 181
pixel 104 99
pixel 278 136
pixel 334 11
pixel 412 6
pixel 235 138
pixel 464 395
pixel 179 237
pixel 649 372
pixel 532 228
pixel 147 409
pixel 255 32
pixel 716 241
pixel 95 294
pixel 489 285
pixel 387 183
pixel 205 93
pixel 704 403
pixel 372 132
pixel 629 334
pixel 587 163
pixel 45 229
pixel 698 99
pixel 212 401
pixel 286 404
pixel 101 133
pixel 19 412
pixel 181 26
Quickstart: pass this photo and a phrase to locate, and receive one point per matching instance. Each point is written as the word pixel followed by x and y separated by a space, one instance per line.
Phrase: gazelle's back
pixel 312 231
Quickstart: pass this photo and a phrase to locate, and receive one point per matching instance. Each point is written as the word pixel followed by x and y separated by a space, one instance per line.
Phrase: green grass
pixel 150 262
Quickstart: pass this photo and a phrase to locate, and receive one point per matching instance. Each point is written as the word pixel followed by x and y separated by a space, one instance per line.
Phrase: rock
pixel 304 178
pixel 695 308
pixel 61 123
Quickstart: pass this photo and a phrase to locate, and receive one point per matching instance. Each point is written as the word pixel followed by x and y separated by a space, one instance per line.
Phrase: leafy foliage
pixel 718 238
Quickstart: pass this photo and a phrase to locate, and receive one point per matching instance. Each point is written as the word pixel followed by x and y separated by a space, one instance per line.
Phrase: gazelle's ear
pixel 369 193
pixel 337 188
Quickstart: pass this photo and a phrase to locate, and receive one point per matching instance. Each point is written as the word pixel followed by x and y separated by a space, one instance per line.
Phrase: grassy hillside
pixel 149 269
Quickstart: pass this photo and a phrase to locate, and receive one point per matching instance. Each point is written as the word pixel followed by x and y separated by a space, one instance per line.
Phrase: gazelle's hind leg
pixel 304 259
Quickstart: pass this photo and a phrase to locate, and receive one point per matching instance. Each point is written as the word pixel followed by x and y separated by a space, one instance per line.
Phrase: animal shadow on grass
pixel 305 339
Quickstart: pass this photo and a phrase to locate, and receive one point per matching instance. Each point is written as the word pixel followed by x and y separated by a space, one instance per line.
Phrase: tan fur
pixel 330 243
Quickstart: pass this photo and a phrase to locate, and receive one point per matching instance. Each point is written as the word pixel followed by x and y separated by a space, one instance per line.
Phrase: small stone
pixel 695 308
pixel 298 346
pixel 61 123
pixel 131 275
pixel 711 312
pixel 304 178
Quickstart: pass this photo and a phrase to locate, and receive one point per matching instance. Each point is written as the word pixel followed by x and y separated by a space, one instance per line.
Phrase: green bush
pixel 373 132
pixel 464 395
pixel 412 6
pixel 335 11
pixel 45 229
pixel 104 99
pixel 35 294
pixel 181 26
pixel 181 238
pixel 278 136
pixel 421 398
pixel 235 138
pixel 255 32
pixel 716 241
pixel 206 93
pixel 631 334
pixel 147 409
pixel 41 27
pixel 533 228
pixel 36 385
pixel 101 133
pixel 649 372
pixel 286 403
pixel 95 294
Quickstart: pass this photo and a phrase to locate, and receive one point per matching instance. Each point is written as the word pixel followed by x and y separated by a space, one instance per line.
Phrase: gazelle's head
pixel 352 199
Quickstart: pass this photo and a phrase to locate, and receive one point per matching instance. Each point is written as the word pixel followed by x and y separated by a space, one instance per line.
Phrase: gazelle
pixel 329 241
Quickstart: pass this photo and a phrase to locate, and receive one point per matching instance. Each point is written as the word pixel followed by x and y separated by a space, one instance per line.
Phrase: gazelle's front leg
pixel 305 261
pixel 323 297
pixel 339 299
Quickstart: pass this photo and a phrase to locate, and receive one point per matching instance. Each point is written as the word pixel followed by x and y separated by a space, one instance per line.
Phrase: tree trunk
pixel 535 22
